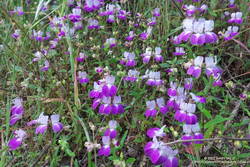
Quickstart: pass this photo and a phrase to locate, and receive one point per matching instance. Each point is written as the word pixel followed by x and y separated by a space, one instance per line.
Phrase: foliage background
pixel 54 91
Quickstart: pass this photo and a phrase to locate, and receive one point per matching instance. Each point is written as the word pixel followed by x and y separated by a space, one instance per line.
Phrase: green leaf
pixel 130 160
pixel 218 119
pixel 243 155
pixel 123 139
pixel 205 111
pixel 208 132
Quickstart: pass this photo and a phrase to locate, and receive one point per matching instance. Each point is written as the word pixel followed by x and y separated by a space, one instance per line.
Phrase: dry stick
pixel 208 139
pixel 233 114
pixel 41 155
pixel 246 73
pixel 178 8
pixel 241 44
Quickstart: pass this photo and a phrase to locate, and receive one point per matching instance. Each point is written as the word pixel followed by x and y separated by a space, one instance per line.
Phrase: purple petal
pixel 57 127
pixel 14 143
pixel 198 136
pixel 151 132
pixel 41 129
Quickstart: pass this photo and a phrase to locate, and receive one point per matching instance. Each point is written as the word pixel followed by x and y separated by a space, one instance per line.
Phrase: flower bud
pixel 237 144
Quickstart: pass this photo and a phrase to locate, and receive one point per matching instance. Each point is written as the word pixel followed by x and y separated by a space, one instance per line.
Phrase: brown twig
pixel 246 73
pixel 178 8
pixel 208 139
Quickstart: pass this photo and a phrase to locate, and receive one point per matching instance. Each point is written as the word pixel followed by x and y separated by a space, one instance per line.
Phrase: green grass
pixel 22 78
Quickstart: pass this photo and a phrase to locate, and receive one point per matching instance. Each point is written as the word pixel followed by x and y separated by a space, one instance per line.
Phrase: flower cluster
pixel 197 31
pixel 186 113
pixel 42 122
pixel 154 78
pixel 17 111
pixel 158 152
pixel 92 5
pixel 153 105
pixel 191 10
pixel 129 59
pixel 149 53
pixel 103 93
pixel 192 131
pixel 232 31
pixel 112 11
pixel 179 51
pixel 132 76
pixel 39 36
pixel 211 69
pixel 109 138
pixel 150 23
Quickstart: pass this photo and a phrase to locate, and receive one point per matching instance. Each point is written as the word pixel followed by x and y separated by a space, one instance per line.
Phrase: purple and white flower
pixel 236 18
pixel 56 125
pixel 159 153
pixel 132 76
pixel 82 77
pixel 147 55
pixel 151 109
pixel 188 83
pixel 16 34
pixel 156 132
pixel 162 105
pixel 231 32
pixel 195 70
pixel 154 79
pixel 158 57
pixel 19 136
pixel 130 36
pixel 81 57
pixel 17 110
pixel 110 42
pixel 156 12
pixel 172 91
pixel 106 106
pixel 129 59
pixel 152 21
pixel 92 5
pixel 97 92
pixel 179 51
pixel 75 16
pixel 198 99
pixel 93 24
pixel 105 149
pixel 190 9
pixel 46 66
pixel 111 131
pixel 211 68
pixel 42 122
pixel 146 34
pixel 109 89
pixel 117 107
